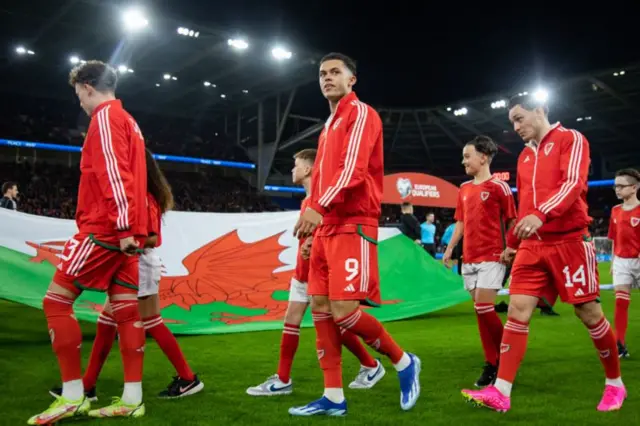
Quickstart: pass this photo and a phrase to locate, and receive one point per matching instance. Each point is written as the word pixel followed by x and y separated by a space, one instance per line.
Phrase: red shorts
pixel 95 263
pixel 547 270
pixel 344 264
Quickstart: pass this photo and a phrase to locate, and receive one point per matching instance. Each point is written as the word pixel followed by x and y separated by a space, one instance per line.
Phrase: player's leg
pixel 621 316
pixel 78 257
pixel 577 281
pixel 529 281
pixel 185 383
pixel 102 344
pixel 123 295
pixel 328 343
pixel 575 276
pixel 354 279
pixel 281 383
pixel 623 280
pixel 489 280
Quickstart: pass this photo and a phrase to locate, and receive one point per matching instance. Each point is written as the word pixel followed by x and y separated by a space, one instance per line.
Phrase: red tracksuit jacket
pixel 346 185
pixel 552 184
pixel 112 198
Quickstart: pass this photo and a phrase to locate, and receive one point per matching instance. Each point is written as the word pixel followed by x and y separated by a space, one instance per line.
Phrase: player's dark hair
pixel 7 186
pixel 96 74
pixel 347 61
pixel 528 102
pixel 308 154
pixel 157 184
pixel 630 173
pixel 484 145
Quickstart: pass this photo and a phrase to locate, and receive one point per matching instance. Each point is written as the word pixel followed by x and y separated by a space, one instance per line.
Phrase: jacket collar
pixel 115 102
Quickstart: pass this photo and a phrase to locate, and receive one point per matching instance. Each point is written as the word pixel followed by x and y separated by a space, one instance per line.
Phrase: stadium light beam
pixel 541 95
pixel 134 20
pixel 238 43
pixel 280 53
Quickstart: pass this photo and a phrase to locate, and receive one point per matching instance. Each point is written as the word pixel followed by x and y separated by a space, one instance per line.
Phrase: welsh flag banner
pixel 224 272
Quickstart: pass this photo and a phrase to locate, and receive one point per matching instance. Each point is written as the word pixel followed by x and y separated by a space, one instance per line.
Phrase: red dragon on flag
pixel 226 269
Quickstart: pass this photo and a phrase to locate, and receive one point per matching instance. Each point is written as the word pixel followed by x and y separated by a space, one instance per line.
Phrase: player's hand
pixel 507 256
pixel 309 220
pixel 418 242
pixel 305 250
pixel 528 226
pixel 446 257
pixel 129 246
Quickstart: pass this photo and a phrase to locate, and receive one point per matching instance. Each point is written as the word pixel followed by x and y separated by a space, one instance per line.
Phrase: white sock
pixel 132 394
pixel 614 382
pixel 73 390
pixel 404 362
pixel 504 387
pixel 334 394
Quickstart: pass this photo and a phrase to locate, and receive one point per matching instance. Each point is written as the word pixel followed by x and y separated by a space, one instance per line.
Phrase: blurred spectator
pixel 9 196
pixel 409 224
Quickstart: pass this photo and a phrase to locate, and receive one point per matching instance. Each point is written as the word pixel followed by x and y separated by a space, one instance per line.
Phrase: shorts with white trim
pixel 150 273
pixel 626 271
pixel 344 264
pixel 298 292
pixel 488 275
pixel 547 270
pixel 95 263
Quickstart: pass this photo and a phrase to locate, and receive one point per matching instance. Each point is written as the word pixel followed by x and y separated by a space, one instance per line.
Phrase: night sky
pixel 413 56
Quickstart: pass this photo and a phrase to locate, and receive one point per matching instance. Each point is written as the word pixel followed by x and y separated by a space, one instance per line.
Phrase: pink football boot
pixel 613 398
pixel 489 397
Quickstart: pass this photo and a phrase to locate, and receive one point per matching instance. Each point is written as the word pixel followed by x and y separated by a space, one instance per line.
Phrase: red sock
pixel 131 334
pixel 490 328
pixel 105 335
pixel 355 346
pixel 329 349
pixel 605 341
pixel 372 332
pixel 157 329
pixel 288 348
pixel 623 299
pixel 512 349
pixel 65 334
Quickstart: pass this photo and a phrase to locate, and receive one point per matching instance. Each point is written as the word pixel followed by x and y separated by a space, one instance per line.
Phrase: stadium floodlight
pixel 188 32
pixel 499 104
pixel 207 83
pixel 245 91
pixel 122 68
pixel 280 53
pixel 167 76
pixel 619 73
pixel 223 96
pixel 134 20
pixel 174 78
pixel 21 50
pixel 541 95
pixel 74 60
pixel 238 43
pixel 460 111
pixel 448 108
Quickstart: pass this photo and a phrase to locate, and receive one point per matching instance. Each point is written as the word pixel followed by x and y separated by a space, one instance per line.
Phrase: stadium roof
pixel 94 30
pixel 604 105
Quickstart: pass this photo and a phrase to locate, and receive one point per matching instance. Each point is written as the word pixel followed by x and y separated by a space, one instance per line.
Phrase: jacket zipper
pixel 533 184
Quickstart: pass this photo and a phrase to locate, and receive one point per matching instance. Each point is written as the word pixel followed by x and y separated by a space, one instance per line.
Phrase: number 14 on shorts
pixel 578 277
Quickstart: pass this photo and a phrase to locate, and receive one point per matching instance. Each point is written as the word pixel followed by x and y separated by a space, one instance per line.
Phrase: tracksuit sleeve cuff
pixel 317 207
pixel 541 216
